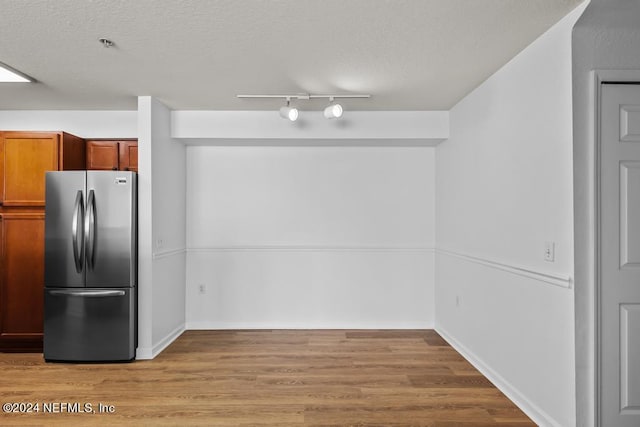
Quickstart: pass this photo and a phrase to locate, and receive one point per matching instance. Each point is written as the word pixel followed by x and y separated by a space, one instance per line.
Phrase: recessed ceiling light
pixel 106 42
pixel 10 75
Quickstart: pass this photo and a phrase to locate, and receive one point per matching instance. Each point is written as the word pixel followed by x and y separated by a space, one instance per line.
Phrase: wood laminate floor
pixel 269 378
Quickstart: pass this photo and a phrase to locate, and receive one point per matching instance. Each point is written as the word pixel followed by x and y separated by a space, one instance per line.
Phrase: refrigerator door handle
pixel 90 228
pixel 77 234
pixel 88 294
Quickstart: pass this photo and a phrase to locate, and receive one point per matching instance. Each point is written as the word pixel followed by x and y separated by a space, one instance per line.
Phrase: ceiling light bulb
pixel 333 111
pixel 290 113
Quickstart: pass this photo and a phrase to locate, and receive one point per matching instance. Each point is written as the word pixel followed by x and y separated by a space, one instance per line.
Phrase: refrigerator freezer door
pixel 64 226
pixel 93 325
pixel 110 229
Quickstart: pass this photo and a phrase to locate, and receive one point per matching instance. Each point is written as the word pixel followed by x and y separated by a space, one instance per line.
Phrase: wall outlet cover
pixel 549 251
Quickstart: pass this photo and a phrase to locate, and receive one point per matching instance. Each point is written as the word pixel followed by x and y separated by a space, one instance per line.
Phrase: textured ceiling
pixel 198 54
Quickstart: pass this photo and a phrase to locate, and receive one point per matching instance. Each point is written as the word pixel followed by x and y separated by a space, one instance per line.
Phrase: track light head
pixel 290 113
pixel 333 111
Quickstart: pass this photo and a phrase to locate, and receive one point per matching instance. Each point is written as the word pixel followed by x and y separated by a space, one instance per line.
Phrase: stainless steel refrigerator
pixel 90 266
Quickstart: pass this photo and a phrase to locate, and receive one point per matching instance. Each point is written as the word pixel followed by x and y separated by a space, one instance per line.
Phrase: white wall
pixel 85 124
pixel 504 187
pixel 392 128
pixel 310 237
pixel 161 229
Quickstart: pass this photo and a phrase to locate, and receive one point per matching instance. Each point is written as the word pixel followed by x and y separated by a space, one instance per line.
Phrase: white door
pixel 620 256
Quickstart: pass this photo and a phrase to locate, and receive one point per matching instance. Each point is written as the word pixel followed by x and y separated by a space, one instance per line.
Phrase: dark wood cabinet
pixel 24 159
pixel 112 155
pixel 128 155
pixel 22 281
pixel 102 155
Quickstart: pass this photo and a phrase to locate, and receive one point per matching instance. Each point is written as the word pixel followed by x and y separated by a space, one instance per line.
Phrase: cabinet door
pixel 22 281
pixel 128 155
pixel 27 156
pixel 73 154
pixel 102 155
pixel 1 167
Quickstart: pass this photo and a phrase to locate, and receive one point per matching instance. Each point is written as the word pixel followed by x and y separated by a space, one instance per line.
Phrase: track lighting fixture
pixel 288 112
pixel 332 111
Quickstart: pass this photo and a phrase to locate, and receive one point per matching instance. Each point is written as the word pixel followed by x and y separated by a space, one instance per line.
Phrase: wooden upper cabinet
pixel 26 156
pixel 128 156
pixel 102 155
pixel 112 155
pixel 72 153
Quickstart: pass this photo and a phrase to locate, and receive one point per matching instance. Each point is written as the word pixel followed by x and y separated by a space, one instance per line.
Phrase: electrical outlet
pixel 550 251
pixel 159 243
pixel 202 288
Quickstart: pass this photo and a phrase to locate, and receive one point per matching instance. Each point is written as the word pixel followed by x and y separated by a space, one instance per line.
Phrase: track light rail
pixel 332 111
pixel 306 96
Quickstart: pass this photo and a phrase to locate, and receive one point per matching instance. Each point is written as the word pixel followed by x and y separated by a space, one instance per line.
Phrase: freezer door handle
pixel 90 228
pixel 77 234
pixel 88 294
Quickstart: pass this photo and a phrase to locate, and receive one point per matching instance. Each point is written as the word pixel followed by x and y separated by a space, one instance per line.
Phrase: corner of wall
pixel 161 231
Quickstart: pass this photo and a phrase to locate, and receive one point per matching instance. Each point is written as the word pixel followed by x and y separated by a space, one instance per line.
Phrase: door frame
pixel 587 254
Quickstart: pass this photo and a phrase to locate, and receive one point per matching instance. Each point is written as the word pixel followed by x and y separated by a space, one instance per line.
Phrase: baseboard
pixel 148 353
pixel 213 325
pixel 540 417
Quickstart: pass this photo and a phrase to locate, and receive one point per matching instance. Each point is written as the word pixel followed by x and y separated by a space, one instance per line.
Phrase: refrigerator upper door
pixel 64 232
pixel 110 229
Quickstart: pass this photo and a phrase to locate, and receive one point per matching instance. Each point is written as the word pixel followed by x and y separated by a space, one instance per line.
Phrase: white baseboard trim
pixel 534 412
pixel 213 325
pixel 148 353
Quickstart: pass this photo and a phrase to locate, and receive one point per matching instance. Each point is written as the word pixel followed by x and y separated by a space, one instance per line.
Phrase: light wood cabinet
pixel 24 159
pixel 112 155
pixel 26 156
